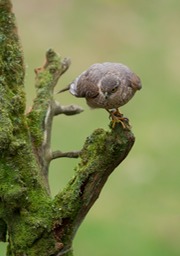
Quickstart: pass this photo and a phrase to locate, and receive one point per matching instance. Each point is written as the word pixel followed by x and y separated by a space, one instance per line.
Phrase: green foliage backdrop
pixel 138 212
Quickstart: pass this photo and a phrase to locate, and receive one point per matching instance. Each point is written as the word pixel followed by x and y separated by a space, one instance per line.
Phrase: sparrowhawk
pixel 106 85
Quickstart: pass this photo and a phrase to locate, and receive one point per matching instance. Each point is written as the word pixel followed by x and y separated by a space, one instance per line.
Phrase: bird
pixel 106 85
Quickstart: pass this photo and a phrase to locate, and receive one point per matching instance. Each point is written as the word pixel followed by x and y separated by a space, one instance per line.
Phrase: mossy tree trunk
pixel 31 221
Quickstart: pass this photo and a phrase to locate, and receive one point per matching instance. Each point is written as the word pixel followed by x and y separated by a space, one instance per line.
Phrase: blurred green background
pixel 138 212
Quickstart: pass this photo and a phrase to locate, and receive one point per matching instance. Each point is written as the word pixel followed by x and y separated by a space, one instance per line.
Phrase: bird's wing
pixel 84 89
pixel 86 85
pixel 135 81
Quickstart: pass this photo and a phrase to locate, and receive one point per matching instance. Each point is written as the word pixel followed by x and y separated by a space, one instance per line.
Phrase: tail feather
pixel 64 89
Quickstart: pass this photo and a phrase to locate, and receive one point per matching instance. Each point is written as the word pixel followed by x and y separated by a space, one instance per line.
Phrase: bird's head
pixel 109 85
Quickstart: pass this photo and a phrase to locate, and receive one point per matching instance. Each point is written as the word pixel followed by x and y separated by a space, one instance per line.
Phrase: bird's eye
pixel 114 89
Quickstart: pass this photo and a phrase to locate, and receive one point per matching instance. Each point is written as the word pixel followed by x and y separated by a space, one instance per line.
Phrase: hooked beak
pixel 106 95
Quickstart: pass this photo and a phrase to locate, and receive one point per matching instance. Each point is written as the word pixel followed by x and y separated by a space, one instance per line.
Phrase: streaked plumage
pixel 106 85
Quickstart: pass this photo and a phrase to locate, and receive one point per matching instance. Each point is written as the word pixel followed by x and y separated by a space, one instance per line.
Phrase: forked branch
pixel 102 153
pixel 35 223
pixel 45 108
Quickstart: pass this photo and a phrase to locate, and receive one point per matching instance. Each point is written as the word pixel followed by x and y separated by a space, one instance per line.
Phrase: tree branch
pixel 59 154
pixel 45 108
pixel 37 224
pixel 67 110
pixel 24 197
pixel 102 153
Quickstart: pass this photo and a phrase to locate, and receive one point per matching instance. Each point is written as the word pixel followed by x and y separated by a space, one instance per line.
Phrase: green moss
pixel 6 131
pixel 25 206
pixel 3 230
pixel 36 128
pixel 68 202
pixel 12 97
pixel 24 201
pixel 54 60
pixel 11 59
pixel 13 191
pixel 98 145
pixel 17 102
pixel 45 82
pixel 100 150
pixel 32 238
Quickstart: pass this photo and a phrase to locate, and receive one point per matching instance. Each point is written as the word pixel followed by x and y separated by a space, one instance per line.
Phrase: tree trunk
pixel 31 221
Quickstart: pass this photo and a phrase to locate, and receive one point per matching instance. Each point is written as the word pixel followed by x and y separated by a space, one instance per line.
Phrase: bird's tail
pixel 64 89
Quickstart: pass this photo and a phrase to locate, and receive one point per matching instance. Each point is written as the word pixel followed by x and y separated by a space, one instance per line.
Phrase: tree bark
pixel 31 221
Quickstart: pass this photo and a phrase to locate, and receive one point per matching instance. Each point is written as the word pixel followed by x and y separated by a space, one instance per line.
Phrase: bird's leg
pixel 118 117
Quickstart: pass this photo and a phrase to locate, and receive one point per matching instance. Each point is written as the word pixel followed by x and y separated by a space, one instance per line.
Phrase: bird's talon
pixel 117 117
pixel 124 122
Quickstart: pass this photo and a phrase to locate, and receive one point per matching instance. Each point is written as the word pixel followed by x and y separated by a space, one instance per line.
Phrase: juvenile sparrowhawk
pixel 106 85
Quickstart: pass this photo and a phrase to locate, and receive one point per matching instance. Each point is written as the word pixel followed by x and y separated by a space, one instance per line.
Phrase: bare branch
pixel 67 110
pixel 59 154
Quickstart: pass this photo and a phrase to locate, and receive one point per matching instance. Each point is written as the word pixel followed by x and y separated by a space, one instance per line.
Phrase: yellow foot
pixel 117 117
